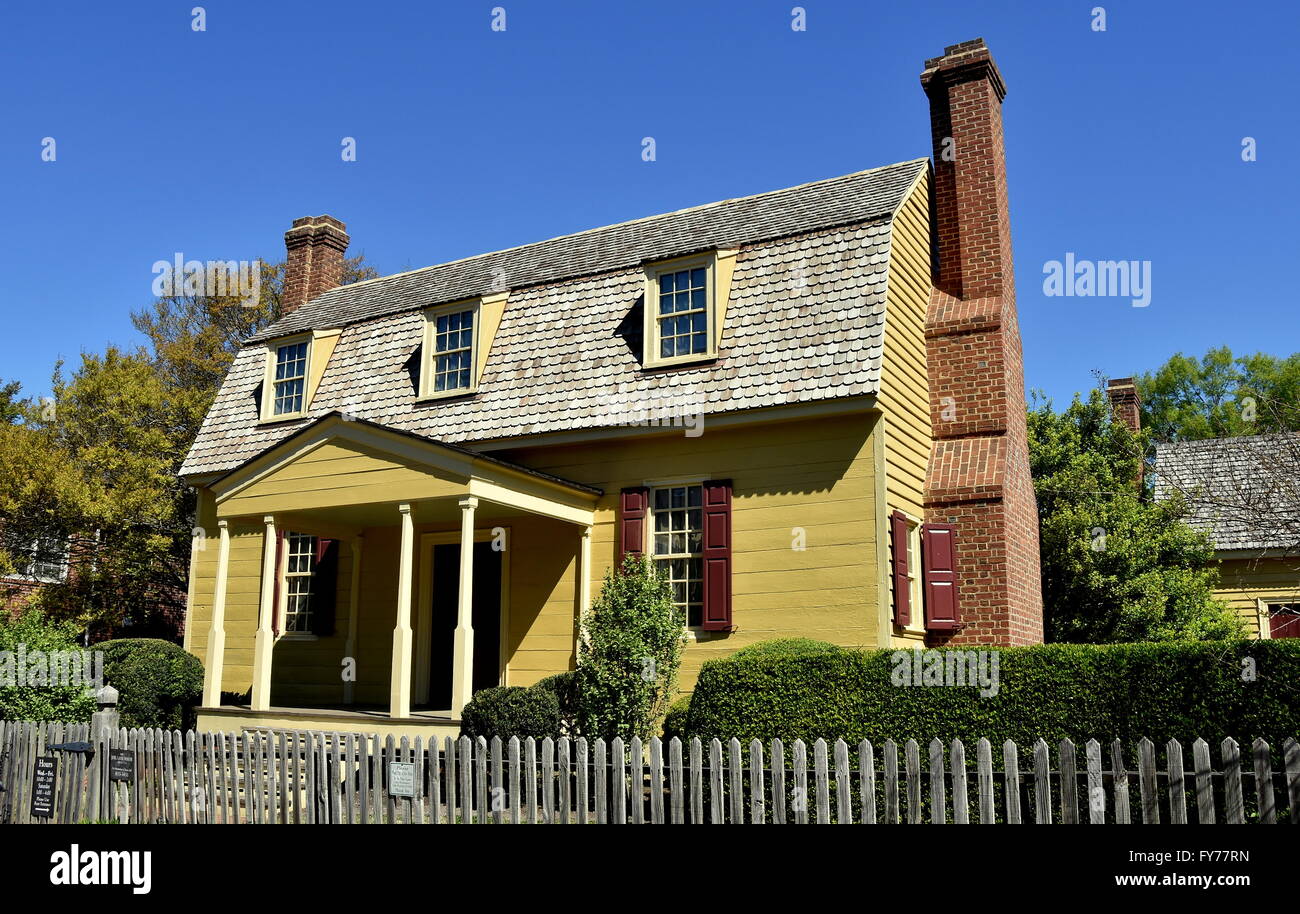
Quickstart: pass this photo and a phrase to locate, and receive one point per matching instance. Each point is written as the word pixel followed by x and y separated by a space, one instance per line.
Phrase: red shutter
pixel 939 562
pixel 717 556
pixel 1284 621
pixel 324 589
pixel 632 506
pixel 275 586
pixel 902 586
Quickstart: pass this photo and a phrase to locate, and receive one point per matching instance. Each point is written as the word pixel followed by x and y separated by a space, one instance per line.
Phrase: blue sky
pixel 1122 144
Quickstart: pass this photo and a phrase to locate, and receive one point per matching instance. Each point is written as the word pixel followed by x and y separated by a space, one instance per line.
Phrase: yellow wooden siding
pixel 904 397
pixel 338 475
pixel 1244 582
pixel 816 475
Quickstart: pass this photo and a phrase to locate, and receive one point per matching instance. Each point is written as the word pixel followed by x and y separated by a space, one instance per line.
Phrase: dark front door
pixel 486 619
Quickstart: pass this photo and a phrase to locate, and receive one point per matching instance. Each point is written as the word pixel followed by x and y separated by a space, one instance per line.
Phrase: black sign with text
pixel 43 788
pixel 121 765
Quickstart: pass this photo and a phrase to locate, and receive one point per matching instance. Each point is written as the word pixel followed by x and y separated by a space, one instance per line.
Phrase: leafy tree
pixel 11 408
pixel 31 631
pixel 99 467
pixel 1219 396
pixel 629 653
pixel 1116 564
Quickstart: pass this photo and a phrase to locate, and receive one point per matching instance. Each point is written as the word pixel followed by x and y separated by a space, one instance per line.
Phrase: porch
pixel 406 545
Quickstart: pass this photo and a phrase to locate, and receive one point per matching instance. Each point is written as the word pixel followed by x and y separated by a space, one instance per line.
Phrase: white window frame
pixel 286 575
pixel 28 571
pixel 653 487
pixel 269 381
pixel 428 358
pixel 916 617
pixel 650 307
pixel 1265 613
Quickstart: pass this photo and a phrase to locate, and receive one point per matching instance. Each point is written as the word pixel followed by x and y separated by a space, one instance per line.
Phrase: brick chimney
pixel 1125 404
pixel 978 477
pixel 315 246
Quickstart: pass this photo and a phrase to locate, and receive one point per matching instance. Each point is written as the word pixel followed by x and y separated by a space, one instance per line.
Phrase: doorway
pixel 439 607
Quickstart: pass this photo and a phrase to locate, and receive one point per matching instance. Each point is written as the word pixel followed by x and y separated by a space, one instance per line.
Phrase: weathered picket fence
pixel 293 777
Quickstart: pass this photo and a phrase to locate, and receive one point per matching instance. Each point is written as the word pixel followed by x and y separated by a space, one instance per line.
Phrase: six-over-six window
pixel 290 379
pixel 678 547
pixel 299 573
pixel 683 313
pixel 453 356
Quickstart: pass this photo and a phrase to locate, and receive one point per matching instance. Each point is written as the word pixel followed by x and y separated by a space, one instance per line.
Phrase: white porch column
pixel 265 640
pixel 217 632
pixel 584 574
pixel 400 682
pixel 462 683
pixel 354 599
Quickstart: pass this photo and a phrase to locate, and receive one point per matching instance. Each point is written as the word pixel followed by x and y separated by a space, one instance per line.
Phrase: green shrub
pixel 508 711
pixel 789 647
pixel 21 696
pixel 675 720
pixel 629 654
pixel 160 682
pixel 1054 691
pixel 564 686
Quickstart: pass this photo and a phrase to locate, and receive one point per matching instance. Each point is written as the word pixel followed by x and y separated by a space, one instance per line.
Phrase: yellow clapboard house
pixel 411 487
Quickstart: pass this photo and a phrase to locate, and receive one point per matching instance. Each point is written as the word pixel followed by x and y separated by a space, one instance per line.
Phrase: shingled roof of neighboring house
pixel 1244 491
pixel 805 322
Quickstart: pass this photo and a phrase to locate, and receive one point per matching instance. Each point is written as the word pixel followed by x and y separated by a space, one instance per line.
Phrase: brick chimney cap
pixel 319 220
pixel 1117 383
pixel 962 62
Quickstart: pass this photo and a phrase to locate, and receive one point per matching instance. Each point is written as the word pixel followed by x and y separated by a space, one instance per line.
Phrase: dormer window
pixel 457 337
pixel 453 351
pixel 290 379
pixel 685 302
pixel 294 367
pixel 683 313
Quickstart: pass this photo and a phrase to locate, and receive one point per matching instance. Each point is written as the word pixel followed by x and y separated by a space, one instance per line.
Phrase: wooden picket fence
pixel 314 777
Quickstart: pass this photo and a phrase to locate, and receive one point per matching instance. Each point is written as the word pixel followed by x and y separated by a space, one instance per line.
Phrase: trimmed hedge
pixel 507 711
pixel 788 647
pixel 1053 691
pixel 160 683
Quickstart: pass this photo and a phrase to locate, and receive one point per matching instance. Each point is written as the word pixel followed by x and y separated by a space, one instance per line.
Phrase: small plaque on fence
pixel 43 788
pixel 121 765
pixel 401 779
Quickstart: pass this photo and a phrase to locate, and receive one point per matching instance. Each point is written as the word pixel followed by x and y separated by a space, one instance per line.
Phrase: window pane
pixel 697 277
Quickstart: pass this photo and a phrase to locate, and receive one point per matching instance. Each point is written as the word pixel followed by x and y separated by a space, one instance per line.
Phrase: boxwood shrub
pixel 1054 691
pixel 160 682
pixel 507 711
pixel 564 686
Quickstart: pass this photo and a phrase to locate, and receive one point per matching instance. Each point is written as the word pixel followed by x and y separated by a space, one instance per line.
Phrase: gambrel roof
pixel 804 322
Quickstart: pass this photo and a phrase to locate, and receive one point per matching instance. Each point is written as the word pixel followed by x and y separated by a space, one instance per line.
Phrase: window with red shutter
pixel 898 539
pixel 632 504
pixel 717 555
pixel 939 564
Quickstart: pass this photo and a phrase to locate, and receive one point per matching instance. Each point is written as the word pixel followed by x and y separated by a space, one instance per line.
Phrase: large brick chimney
pixel 978 477
pixel 315 247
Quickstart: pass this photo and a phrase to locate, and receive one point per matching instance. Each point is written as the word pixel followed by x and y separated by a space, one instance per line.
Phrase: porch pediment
pixel 337 463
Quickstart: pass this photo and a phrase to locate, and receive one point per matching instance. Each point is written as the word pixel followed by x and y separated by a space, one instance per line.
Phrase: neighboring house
pixel 1245 493
pixel 39 562
pixel 45 561
pixel 806 406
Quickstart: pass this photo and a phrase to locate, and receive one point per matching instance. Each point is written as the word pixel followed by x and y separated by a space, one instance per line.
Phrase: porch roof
pixel 342 462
